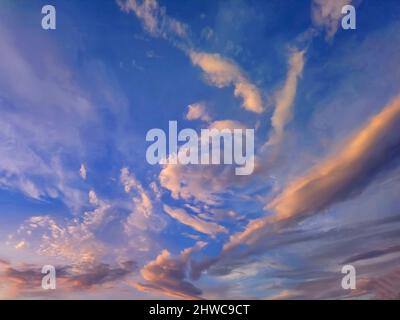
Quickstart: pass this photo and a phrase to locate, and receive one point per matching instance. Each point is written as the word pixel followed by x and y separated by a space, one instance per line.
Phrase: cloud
pixel 198 111
pixel 198 224
pixel 346 171
pixel 326 14
pixel 326 285
pixel 25 280
pixel 168 275
pixel 285 97
pixel 383 287
pixel 142 217
pixel 202 183
pixel 74 241
pixel 154 18
pixel 226 124
pixel 218 71
pixel 342 175
pixel 372 254
pixel 99 274
pixel 83 172
pixel 21 245
pixel 222 72
pixel 32 144
pixel 142 201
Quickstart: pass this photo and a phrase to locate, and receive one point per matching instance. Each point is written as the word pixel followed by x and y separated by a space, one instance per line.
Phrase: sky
pixel 77 192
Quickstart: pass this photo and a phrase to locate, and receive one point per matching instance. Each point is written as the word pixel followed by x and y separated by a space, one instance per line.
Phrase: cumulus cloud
pixel 222 72
pixel 198 111
pixel 342 175
pixel 326 14
pixel 198 224
pixel 167 275
pixel 285 97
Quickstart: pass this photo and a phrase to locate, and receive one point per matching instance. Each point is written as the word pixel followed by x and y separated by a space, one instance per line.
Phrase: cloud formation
pixel 142 221
pixel 26 280
pixel 154 18
pixel 222 72
pixel 326 14
pixel 198 111
pixel 285 98
pixel 83 172
pixel 198 224
pixel 167 275
pixel 219 71
pixel 342 175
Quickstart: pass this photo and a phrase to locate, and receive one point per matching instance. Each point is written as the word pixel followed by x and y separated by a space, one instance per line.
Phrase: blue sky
pixel 77 192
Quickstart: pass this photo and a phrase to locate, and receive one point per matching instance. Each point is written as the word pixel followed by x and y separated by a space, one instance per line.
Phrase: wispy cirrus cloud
pixel 285 97
pixel 154 18
pixel 198 224
pixel 143 213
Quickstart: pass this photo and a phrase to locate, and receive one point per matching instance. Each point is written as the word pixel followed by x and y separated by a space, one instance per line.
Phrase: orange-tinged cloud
pixel 285 97
pixel 167 275
pixel 222 72
pixel 340 176
pixel 198 224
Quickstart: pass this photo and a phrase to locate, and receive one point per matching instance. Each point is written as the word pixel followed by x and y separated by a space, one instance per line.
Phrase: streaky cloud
pixel 342 175
pixel 285 98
